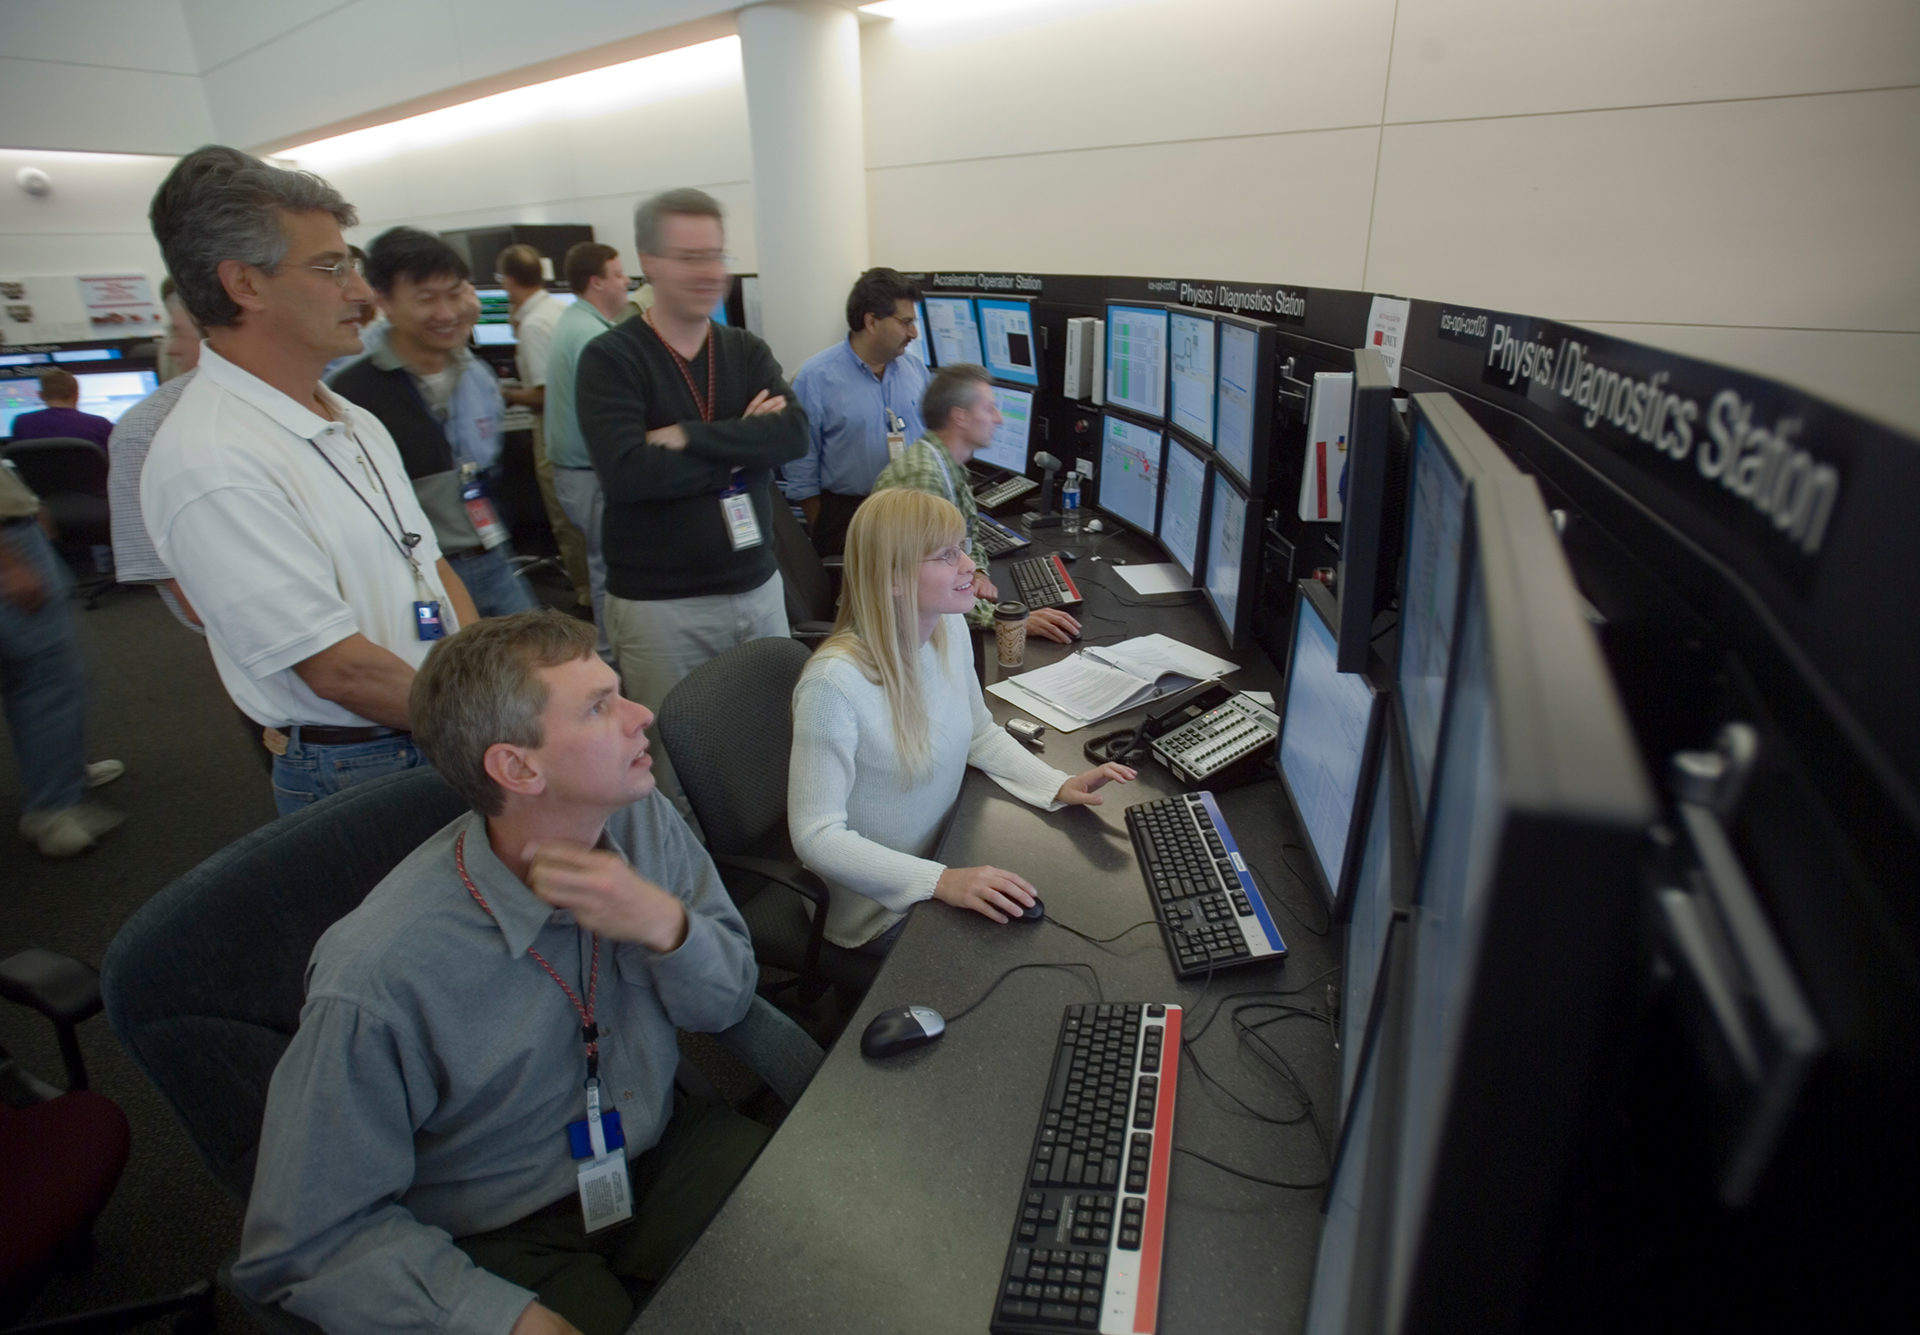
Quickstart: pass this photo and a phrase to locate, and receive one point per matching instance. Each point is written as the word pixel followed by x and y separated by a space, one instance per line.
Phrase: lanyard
pixel 589 1031
pixel 406 542
pixel 686 372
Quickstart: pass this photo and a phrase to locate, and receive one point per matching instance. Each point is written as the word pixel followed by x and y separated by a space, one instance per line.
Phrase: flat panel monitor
pixel 954 331
pixel 494 329
pixel 88 355
pixel 1190 373
pixel 1524 928
pixel 1243 399
pixel 1137 359
pixel 105 394
pixel 1326 729
pixel 1129 472
pixel 720 312
pixel 1183 501
pixel 919 347
pixel 1009 341
pixel 24 359
pixel 1382 862
pixel 1232 557
pixel 1374 517
pixel 1008 448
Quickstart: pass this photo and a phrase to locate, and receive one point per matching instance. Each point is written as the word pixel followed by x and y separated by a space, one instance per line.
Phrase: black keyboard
pixel 996 494
pixel 1086 1249
pixel 1042 581
pixel 997 538
pixel 1210 912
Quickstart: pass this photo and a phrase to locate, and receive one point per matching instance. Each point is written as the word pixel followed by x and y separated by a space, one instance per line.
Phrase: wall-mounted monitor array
pixel 105 394
pixel 1013 438
pixel 1478 1010
pixel 1205 374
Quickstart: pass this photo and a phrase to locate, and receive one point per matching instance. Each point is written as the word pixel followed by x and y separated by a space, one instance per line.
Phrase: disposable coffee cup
pixel 1010 632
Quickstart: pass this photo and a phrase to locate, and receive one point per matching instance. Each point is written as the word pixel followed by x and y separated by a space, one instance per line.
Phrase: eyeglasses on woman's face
pixel 952 556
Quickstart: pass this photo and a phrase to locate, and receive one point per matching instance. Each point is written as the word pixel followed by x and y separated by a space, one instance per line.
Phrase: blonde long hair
pixel 878 628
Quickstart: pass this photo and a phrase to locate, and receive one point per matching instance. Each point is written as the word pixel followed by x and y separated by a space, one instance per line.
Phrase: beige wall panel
pixel 126 34
pixel 79 107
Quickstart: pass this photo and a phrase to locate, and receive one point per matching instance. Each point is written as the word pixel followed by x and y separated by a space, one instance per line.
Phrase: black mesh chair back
pixel 809 587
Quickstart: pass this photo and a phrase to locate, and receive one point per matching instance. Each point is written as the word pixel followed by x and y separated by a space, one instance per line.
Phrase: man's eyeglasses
pixel 699 259
pixel 342 271
pixel 952 556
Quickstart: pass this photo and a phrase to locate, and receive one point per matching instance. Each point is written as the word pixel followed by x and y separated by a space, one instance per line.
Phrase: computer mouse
pixel 901 1029
pixel 1034 912
pixel 1069 557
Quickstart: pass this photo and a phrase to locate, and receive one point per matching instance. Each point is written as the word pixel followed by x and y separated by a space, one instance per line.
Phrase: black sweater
pixel 664 535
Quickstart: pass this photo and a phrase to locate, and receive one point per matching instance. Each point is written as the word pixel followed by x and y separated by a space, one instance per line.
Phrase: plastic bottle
pixel 1070 506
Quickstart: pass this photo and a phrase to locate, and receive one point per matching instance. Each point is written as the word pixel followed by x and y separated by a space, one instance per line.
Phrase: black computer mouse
pixel 1069 557
pixel 901 1029
pixel 1034 912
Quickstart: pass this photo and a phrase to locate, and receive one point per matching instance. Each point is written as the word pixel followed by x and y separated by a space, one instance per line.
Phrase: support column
pixel 801 60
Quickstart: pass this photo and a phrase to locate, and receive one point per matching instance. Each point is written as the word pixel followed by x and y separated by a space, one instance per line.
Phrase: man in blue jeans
pixel 43 684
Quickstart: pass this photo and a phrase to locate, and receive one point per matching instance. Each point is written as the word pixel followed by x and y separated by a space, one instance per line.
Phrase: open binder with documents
pixel 1098 683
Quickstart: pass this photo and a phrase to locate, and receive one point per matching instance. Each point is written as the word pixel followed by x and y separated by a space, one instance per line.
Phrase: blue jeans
pixel 307 773
pixel 43 681
pixel 496 591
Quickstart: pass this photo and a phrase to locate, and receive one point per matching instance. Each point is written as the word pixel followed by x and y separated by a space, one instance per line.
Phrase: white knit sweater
pixel 854 819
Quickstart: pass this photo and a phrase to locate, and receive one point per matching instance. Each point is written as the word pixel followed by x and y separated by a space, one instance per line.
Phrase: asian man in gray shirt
pixel 525 969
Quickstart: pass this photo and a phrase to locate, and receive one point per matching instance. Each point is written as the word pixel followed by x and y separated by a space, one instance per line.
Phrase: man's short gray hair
pixel 221 204
pixel 648 214
pixel 951 387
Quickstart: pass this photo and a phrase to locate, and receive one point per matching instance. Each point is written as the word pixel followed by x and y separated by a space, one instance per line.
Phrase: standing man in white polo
pixel 283 510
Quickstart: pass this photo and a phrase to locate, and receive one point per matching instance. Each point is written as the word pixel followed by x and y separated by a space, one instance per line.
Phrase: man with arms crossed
pixel 282 509
pixel 962 416
pixel 525 969
pixel 595 273
pixel 685 421
pixel 860 394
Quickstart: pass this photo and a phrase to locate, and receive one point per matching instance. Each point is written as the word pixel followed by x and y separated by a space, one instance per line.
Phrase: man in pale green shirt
pixel 594 273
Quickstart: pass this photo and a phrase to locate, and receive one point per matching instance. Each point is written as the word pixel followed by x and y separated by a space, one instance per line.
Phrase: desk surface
pixel 888 1198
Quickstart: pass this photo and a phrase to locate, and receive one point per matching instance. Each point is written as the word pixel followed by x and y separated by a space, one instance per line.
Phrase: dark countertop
pixel 887 1200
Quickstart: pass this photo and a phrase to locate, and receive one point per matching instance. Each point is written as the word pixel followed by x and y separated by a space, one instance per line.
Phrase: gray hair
pixel 220 204
pixel 648 213
pixel 481 686
pixel 951 387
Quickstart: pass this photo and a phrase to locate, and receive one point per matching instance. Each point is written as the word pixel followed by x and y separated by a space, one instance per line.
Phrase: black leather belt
pixel 314 735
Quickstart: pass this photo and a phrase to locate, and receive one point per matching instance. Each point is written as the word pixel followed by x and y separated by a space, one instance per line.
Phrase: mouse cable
pixel 1224 998
pixel 1274 895
pixel 1252 1177
pixel 1100 940
pixel 1071 964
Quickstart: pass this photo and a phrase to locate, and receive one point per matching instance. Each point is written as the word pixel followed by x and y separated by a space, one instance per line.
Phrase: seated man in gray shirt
pixel 436 1129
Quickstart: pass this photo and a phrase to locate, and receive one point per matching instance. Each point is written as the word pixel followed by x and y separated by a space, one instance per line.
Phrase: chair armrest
pixel 59 987
pixel 834 562
pixel 811 632
pixel 793 876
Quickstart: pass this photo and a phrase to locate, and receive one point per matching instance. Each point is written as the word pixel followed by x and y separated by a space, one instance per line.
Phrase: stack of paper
pixel 1099 683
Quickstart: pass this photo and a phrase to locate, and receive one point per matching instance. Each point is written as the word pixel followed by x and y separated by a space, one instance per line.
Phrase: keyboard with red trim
pixel 1086 1251
pixel 1042 581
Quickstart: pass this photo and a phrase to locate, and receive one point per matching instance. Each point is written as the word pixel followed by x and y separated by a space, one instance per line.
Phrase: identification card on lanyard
pixel 743 525
pixel 896 437
pixel 480 511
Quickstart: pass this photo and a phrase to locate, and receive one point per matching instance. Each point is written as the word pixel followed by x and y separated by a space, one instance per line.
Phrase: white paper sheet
pixel 1163 578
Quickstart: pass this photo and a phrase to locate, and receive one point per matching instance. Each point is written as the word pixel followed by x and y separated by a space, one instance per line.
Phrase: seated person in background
pixel 414 1167
pixel 962 416
pixel 441 404
pixel 886 718
pixel 62 416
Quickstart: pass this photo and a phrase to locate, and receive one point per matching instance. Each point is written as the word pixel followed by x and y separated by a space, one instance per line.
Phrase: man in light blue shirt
pixel 595 274
pixel 860 394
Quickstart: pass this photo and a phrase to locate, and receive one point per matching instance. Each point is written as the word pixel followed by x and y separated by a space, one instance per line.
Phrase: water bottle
pixel 1070 506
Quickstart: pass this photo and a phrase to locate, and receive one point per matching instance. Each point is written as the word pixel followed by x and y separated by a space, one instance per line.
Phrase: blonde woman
pixel 886 719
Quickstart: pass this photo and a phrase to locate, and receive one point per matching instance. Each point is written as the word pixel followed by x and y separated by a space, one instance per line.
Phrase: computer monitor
pixel 1129 472
pixel 920 347
pixel 24 359
pixel 1232 557
pixel 1011 439
pixel 495 326
pixel 1183 502
pixel 1524 929
pixel 954 331
pixel 1328 727
pixel 1243 399
pixel 720 312
pixel 1374 519
pixel 105 394
pixel 1008 339
pixel 1137 359
pixel 1380 882
pixel 87 355
pixel 1190 373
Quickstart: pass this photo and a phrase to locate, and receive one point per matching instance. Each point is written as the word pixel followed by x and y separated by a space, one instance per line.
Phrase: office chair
pixel 806 576
pixel 204 985
pixel 61 1156
pixel 728 725
pixel 70 478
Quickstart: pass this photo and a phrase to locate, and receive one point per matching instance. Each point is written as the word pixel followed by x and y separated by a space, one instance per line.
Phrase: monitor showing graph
pixel 1190 372
pixel 1137 359
pixel 1007 338
pixel 954 331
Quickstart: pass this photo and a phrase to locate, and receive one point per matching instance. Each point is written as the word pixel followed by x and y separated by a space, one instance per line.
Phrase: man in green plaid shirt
pixel 961 417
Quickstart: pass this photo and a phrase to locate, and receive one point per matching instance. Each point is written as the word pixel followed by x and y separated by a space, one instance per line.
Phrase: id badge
pixel 606 1194
pixel 426 620
pixel 480 512
pixel 743 526
pixel 896 445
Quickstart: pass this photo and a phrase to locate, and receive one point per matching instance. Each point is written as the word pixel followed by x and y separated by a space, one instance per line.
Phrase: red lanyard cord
pixel 589 1031
pixel 686 371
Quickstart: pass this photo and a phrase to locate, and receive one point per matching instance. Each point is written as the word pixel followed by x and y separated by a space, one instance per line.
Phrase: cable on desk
pixel 1100 940
pixel 1070 964
pixel 1252 1177
pixel 1305 926
pixel 1260 992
